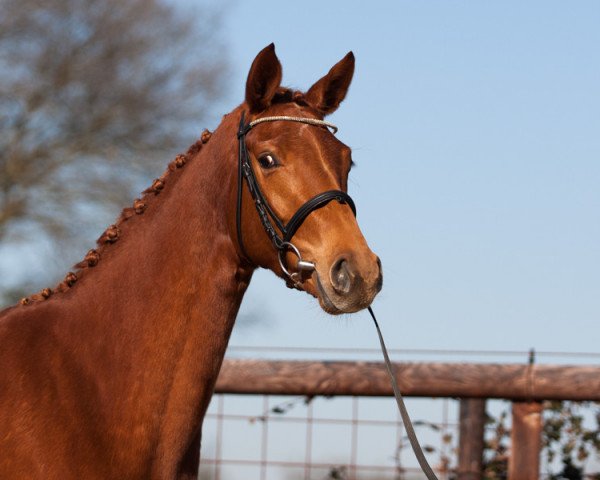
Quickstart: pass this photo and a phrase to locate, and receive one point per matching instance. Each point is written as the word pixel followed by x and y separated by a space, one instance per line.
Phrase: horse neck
pixel 156 313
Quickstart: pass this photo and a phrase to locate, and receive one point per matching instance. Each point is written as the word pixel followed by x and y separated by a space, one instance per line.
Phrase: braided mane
pixel 113 232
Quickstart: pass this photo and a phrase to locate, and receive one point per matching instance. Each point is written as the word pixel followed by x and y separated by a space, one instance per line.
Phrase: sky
pixel 475 129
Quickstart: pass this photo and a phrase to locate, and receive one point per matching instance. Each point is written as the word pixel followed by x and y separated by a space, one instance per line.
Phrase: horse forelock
pixel 288 95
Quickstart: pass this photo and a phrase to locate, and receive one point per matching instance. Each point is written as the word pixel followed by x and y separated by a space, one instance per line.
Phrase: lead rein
pixel 410 431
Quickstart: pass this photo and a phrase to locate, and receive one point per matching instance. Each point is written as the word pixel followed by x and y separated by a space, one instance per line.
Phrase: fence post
pixel 470 448
pixel 526 441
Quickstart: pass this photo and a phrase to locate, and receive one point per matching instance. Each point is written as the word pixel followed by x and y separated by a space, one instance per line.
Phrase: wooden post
pixel 526 441
pixel 470 448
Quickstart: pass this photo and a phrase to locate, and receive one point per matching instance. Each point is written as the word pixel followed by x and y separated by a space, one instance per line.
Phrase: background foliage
pixel 94 96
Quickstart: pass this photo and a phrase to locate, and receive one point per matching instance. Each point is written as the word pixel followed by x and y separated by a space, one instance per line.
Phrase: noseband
pixel 281 240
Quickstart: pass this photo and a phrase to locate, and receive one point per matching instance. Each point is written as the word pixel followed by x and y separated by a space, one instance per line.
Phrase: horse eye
pixel 267 160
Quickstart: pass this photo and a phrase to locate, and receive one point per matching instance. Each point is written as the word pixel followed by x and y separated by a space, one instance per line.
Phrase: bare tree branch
pixel 93 95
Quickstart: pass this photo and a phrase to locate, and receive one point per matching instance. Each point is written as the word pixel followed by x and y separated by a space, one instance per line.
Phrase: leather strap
pixel 313 204
pixel 288 230
pixel 410 431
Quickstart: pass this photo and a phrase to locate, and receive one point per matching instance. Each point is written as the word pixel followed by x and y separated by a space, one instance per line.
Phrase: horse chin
pixel 329 304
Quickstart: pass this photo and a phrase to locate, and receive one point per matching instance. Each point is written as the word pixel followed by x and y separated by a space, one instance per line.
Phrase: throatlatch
pixel 281 241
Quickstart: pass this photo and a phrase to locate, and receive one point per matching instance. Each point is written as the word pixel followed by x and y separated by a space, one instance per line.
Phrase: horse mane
pixel 113 232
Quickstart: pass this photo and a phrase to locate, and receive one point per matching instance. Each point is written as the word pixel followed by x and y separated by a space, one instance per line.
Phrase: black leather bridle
pixel 281 240
pixel 282 243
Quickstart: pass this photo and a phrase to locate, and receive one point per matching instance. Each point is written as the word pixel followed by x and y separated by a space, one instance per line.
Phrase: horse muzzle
pixel 350 283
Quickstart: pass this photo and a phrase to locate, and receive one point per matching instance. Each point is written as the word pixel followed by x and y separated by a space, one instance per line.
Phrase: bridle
pixel 281 240
pixel 282 243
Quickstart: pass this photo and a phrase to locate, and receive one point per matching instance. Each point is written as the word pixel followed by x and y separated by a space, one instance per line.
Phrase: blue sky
pixel 475 128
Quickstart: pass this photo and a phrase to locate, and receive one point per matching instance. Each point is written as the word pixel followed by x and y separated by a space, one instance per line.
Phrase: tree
pixel 92 96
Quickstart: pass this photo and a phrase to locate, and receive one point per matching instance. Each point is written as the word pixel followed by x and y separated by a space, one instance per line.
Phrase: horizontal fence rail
pixel 464 380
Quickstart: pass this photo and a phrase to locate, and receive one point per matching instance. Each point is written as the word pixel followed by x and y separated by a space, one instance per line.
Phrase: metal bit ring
pixel 300 264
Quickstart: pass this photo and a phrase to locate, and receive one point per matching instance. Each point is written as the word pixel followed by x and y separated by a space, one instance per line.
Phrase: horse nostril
pixel 379 282
pixel 340 276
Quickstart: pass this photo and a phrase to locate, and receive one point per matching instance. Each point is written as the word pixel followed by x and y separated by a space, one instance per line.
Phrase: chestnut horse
pixel 109 375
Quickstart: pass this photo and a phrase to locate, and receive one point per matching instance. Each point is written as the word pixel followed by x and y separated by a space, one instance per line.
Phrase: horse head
pixel 296 173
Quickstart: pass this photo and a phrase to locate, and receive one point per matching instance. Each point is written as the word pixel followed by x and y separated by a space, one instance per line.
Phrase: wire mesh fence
pixel 266 437
pixel 271 437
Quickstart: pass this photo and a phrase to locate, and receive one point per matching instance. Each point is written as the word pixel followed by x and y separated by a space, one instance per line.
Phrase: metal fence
pixel 275 437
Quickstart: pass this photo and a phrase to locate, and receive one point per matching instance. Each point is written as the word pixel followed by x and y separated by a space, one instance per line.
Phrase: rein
pixel 410 431
pixel 282 243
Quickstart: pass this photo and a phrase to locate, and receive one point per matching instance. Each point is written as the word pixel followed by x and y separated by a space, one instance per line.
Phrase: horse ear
pixel 263 79
pixel 327 94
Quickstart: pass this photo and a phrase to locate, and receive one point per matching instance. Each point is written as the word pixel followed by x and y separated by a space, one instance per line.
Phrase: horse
pixel 109 374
